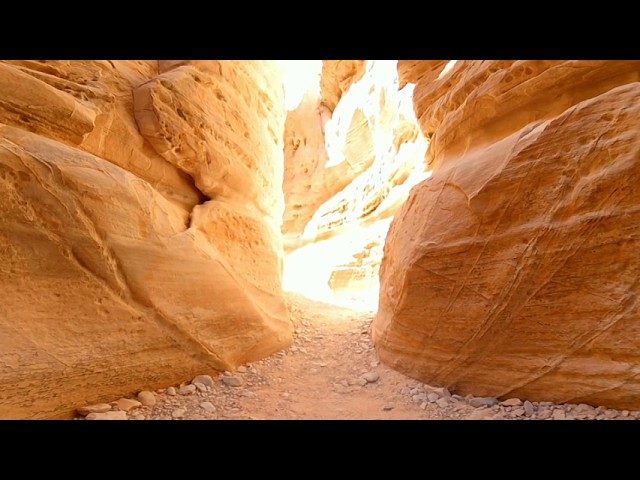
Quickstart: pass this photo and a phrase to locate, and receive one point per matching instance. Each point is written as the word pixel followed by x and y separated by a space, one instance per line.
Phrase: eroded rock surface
pixel 513 271
pixel 140 221
pixel 337 77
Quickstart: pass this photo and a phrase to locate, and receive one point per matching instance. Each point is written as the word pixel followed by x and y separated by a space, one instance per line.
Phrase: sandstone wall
pixel 513 271
pixel 139 231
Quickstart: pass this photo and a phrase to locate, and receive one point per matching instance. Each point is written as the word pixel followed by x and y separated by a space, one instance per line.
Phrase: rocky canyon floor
pixel 331 372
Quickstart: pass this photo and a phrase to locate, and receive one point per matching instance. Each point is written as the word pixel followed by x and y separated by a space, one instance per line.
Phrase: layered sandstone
pixel 512 271
pixel 139 232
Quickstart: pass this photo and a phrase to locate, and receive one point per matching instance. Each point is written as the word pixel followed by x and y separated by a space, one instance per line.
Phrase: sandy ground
pixel 332 372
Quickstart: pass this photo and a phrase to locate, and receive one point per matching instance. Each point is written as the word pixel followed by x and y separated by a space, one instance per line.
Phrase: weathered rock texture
pixel 337 77
pixel 346 170
pixel 513 271
pixel 139 227
pixel 416 71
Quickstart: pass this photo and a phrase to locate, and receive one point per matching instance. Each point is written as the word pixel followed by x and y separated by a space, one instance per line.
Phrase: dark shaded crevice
pixel 202 197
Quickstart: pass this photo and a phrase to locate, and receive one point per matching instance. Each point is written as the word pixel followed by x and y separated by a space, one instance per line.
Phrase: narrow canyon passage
pixel 322 239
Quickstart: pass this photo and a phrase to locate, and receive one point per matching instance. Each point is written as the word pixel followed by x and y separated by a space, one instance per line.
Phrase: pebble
pixel 232 381
pixel 127 404
pixel 512 402
pixel 423 405
pixel 371 377
pixel 208 406
pixel 625 413
pixel 419 398
pixel 242 369
pixel 171 391
pixel 201 387
pixel 559 415
pixel 361 381
pixel 387 409
pixel 118 415
pixel 518 412
pixel 205 380
pixel 584 408
pixel 442 403
pixel 97 408
pixel 147 398
pixel 528 408
pixel 442 391
pixel 433 397
pixel 178 413
pixel 544 414
pixel 138 417
pixel 248 394
pixel 482 402
pixel 187 389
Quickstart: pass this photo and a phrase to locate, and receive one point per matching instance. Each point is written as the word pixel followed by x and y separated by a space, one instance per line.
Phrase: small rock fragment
pixel 208 406
pixel 205 380
pixel 442 403
pixel 483 402
pixel 201 387
pixel 559 415
pixel 97 408
pixel 171 391
pixel 443 392
pixel 433 397
pixel 187 389
pixel 419 398
pixel 371 377
pixel 528 408
pixel 128 404
pixel 178 413
pixel 544 414
pixel 512 402
pixel 232 381
pixel 117 415
pixel 147 398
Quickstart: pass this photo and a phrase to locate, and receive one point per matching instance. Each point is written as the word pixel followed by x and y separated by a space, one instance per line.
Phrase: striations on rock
pixel 140 220
pixel 512 271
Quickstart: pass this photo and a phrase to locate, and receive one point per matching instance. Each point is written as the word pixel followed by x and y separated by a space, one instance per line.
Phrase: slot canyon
pixel 320 239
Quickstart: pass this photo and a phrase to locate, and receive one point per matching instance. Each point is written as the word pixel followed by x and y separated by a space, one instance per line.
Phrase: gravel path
pixel 330 372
